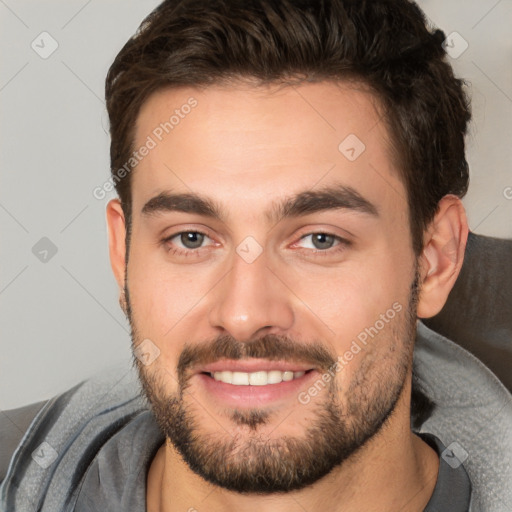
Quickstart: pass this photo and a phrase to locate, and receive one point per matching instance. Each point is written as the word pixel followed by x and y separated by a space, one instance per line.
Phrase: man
pixel 289 178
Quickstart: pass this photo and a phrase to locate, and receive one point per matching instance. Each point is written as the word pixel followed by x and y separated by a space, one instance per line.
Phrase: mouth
pixel 259 378
pixel 251 383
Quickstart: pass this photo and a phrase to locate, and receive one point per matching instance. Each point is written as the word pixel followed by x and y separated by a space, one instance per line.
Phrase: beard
pixel 251 462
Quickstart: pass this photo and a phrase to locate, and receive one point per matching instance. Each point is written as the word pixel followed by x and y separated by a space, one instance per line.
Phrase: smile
pixel 259 378
pixel 247 383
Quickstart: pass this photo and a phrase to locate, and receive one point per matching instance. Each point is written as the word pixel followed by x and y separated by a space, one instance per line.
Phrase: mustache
pixel 271 347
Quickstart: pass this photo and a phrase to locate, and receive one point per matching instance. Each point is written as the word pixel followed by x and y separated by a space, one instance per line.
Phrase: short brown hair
pixel 384 44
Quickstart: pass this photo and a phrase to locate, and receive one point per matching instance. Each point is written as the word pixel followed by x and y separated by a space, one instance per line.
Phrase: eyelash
pixel 340 246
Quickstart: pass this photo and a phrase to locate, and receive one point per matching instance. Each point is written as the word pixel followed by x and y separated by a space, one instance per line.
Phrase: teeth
pixel 257 378
pixel 275 377
pixel 287 376
pixel 261 378
pixel 240 379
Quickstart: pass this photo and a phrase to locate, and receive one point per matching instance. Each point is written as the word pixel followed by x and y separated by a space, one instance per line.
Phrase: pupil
pixel 192 240
pixel 322 240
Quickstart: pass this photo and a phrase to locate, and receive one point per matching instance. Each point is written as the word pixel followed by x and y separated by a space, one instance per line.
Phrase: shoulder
pixel 13 425
pixel 57 447
pixel 472 415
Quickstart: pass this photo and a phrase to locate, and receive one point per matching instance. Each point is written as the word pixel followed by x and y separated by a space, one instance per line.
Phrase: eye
pixel 191 242
pixel 191 239
pixel 322 243
pixel 186 242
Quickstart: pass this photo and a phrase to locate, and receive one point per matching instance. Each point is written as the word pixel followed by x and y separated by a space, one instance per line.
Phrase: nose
pixel 251 301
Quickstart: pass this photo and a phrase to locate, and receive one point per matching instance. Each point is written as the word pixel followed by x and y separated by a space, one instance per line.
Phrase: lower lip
pixel 251 396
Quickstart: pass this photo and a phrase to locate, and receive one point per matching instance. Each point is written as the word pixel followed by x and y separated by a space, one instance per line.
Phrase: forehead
pixel 242 142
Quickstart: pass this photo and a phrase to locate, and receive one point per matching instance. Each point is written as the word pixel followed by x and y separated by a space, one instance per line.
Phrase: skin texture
pixel 248 148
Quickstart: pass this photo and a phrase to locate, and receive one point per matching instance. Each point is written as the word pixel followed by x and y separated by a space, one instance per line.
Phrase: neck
pixel 395 470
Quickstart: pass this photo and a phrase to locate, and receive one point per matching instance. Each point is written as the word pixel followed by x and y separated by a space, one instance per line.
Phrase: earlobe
pixel 442 256
pixel 122 303
pixel 117 243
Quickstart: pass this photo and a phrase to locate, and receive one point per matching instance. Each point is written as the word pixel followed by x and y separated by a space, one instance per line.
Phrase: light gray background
pixel 60 319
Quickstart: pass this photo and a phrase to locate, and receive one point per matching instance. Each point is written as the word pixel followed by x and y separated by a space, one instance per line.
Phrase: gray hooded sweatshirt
pixel 89 449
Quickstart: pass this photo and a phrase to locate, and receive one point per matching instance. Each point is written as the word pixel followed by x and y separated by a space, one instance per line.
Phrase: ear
pixel 117 245
pixel 444 243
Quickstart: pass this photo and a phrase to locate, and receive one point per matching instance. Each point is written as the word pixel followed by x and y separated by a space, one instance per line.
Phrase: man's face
pixel 298 265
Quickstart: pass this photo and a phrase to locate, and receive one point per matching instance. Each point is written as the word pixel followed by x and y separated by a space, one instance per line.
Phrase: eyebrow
pixel 303 203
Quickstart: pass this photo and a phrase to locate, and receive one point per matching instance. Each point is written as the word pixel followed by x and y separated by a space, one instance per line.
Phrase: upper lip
pixel 253 365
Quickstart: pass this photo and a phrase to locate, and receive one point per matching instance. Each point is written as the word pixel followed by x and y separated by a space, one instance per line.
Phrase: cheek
pixel 169 308
pixel 378 354
pixel 363 303
pixel 352 297
pixel 161 293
